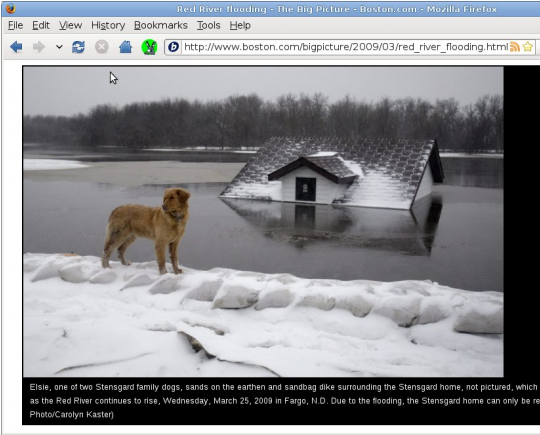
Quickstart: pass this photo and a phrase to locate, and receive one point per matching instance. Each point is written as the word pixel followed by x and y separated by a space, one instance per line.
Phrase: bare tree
pixel 248 121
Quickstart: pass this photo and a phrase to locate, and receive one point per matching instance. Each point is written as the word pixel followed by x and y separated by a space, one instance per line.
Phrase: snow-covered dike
pixel 82 320
pixel 50 164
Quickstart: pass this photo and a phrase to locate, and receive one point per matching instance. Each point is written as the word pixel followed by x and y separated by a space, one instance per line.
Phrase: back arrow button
pixel 39 46
pixel 16 46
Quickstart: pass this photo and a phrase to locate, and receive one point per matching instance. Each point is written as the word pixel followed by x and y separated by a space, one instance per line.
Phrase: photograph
pixel 256 221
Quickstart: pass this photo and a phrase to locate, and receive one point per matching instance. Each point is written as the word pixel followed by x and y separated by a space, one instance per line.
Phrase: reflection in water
pixel 427 214
pixel 474 172
pixel 304 217
pixel 404 232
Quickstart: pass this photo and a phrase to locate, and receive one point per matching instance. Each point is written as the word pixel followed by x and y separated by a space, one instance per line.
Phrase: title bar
pixel 270 9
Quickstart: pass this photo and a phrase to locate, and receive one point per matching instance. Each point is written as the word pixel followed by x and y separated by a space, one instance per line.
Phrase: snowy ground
pixel 50 164
pixel 82 320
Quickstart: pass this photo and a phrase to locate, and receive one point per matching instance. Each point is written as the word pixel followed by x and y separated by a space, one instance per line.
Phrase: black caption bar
pixel 313 401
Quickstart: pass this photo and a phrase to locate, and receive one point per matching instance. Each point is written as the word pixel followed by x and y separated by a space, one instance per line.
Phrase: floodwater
pixel 455 238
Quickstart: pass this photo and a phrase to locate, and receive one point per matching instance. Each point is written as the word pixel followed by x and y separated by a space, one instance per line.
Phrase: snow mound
pixel 80 272
pixel 103 277
pixel 481 319
pixel 274 299
pixel 82 320
pixel 165 285
pixel 235 296
pixel 206 291
pixel 140 279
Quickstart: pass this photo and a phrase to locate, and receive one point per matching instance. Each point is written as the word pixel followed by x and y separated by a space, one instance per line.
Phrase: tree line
pixel 248 121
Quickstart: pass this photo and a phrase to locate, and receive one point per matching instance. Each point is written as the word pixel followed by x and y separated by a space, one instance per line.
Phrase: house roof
pixel 392 169
pixel 331 167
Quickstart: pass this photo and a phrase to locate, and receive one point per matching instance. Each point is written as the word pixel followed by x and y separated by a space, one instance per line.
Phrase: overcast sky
pixel 71 90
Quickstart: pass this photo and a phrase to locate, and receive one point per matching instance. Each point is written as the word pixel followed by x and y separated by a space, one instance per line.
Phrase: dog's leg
pixel 123 247
pixel 113 240
pixel 105 260
pixel 173 250
pixel 160 255
pixel 107 249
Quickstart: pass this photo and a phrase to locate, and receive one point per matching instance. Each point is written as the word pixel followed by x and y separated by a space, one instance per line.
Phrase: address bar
pixel 295 47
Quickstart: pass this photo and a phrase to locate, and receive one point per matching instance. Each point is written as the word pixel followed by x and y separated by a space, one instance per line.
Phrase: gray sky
pixel 70 90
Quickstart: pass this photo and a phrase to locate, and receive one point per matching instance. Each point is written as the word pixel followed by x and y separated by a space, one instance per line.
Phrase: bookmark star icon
pixel 528 46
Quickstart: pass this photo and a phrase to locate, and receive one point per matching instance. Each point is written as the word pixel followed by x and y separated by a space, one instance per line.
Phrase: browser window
pixel 287 214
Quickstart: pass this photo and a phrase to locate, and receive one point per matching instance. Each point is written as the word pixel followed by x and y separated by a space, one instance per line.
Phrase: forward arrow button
pixel 39 46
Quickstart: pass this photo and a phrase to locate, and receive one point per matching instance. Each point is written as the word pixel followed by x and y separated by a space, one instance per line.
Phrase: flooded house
pixel 380 173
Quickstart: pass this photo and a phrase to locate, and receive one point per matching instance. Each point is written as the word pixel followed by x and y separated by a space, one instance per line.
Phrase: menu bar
pixel 243 26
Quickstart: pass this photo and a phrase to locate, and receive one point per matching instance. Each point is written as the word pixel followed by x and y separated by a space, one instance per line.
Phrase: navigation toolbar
pixel 154 47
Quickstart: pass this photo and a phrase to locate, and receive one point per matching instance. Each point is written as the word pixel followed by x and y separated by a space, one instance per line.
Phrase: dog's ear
pixel 183 195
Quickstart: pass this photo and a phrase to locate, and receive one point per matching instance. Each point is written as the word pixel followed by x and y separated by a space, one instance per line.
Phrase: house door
pixel 306 189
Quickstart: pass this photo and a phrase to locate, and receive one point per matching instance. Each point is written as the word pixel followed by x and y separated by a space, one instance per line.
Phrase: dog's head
pixel 175 199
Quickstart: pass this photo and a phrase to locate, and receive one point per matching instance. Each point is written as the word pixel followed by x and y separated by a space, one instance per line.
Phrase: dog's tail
pixel 111 236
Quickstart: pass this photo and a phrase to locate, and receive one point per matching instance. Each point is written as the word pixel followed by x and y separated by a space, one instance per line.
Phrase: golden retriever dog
pixel 165 225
